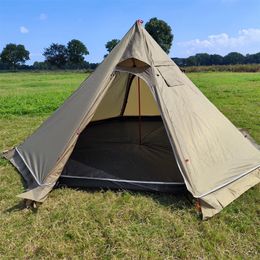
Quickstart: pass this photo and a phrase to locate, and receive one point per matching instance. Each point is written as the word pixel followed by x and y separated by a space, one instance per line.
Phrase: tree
pixel 3 66
pixel 14 55
pixel 56 55
pixel 191 61
pixel 41 65
pixel 253 58
pixel 161 32
pixel 76 51
pixel 234 58
pixel 93 66
pixel 179 61
pixel 202 59
pixel 110 45
pixel 216 59
pixel 256 57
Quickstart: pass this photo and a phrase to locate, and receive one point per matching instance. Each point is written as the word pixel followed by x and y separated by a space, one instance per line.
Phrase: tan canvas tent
pixel 138 122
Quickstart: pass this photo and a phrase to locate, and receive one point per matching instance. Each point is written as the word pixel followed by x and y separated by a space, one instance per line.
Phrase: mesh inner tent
pixel 109 149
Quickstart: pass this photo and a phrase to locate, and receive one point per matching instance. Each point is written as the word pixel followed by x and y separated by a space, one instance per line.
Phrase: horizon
pixel 212 26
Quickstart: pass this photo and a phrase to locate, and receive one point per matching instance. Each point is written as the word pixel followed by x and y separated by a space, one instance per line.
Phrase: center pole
pixel 139 111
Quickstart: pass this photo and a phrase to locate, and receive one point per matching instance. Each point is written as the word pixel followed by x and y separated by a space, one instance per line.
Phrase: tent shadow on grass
pixel 20 206
pixel 175 201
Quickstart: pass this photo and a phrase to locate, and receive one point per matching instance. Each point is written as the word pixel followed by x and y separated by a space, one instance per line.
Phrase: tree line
pixel 57 56
pixel 73 54
pixel 205 59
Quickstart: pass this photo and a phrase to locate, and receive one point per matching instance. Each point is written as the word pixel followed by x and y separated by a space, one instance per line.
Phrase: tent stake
pixel 139 111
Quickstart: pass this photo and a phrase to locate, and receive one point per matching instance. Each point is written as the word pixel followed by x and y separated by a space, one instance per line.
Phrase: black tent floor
pixel 108 155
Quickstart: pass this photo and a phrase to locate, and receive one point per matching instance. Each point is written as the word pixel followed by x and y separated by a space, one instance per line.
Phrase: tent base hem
pixel 214 202
pixel 96 183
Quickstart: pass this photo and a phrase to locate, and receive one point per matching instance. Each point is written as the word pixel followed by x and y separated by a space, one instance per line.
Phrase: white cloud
pixel 246 40
pixel 43 16
pixel 23 29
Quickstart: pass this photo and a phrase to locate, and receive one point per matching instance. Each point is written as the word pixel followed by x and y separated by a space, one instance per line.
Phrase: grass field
pixel 128 225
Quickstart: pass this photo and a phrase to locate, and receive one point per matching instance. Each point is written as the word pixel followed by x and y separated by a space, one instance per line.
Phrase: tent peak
pixel 139 21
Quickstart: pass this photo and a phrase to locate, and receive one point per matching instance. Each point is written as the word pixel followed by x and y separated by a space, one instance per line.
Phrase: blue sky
pixel 213 26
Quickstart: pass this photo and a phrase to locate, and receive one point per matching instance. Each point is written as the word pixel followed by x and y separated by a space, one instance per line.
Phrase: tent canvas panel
pixel 207 142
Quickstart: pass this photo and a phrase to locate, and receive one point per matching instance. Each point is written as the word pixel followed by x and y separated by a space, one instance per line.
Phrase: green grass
pixel 128 225
pixel 35 93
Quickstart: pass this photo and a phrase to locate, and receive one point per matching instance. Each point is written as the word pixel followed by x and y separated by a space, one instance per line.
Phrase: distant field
pixel 128 225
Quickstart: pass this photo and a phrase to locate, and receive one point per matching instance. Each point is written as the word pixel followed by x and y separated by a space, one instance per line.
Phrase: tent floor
pixel 108 155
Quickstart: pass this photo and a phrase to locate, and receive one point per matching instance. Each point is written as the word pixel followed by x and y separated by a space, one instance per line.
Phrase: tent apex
pixel 139 22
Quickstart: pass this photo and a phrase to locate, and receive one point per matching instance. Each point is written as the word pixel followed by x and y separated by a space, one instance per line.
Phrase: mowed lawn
pixel 127 225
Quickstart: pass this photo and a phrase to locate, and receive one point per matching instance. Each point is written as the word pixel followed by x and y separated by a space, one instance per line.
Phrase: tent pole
pixel 139 111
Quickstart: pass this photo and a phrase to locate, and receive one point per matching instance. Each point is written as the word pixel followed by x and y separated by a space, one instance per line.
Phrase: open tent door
pixel 126 145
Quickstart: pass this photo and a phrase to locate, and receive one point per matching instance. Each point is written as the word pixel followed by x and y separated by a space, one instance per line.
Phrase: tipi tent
pixel 138 122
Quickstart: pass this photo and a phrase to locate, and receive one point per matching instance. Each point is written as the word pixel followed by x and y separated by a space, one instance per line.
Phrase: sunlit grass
pixel 126 225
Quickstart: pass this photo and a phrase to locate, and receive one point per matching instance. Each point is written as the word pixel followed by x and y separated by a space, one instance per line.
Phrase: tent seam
pixel 229 182
pixel 122 180
pixel 29 168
